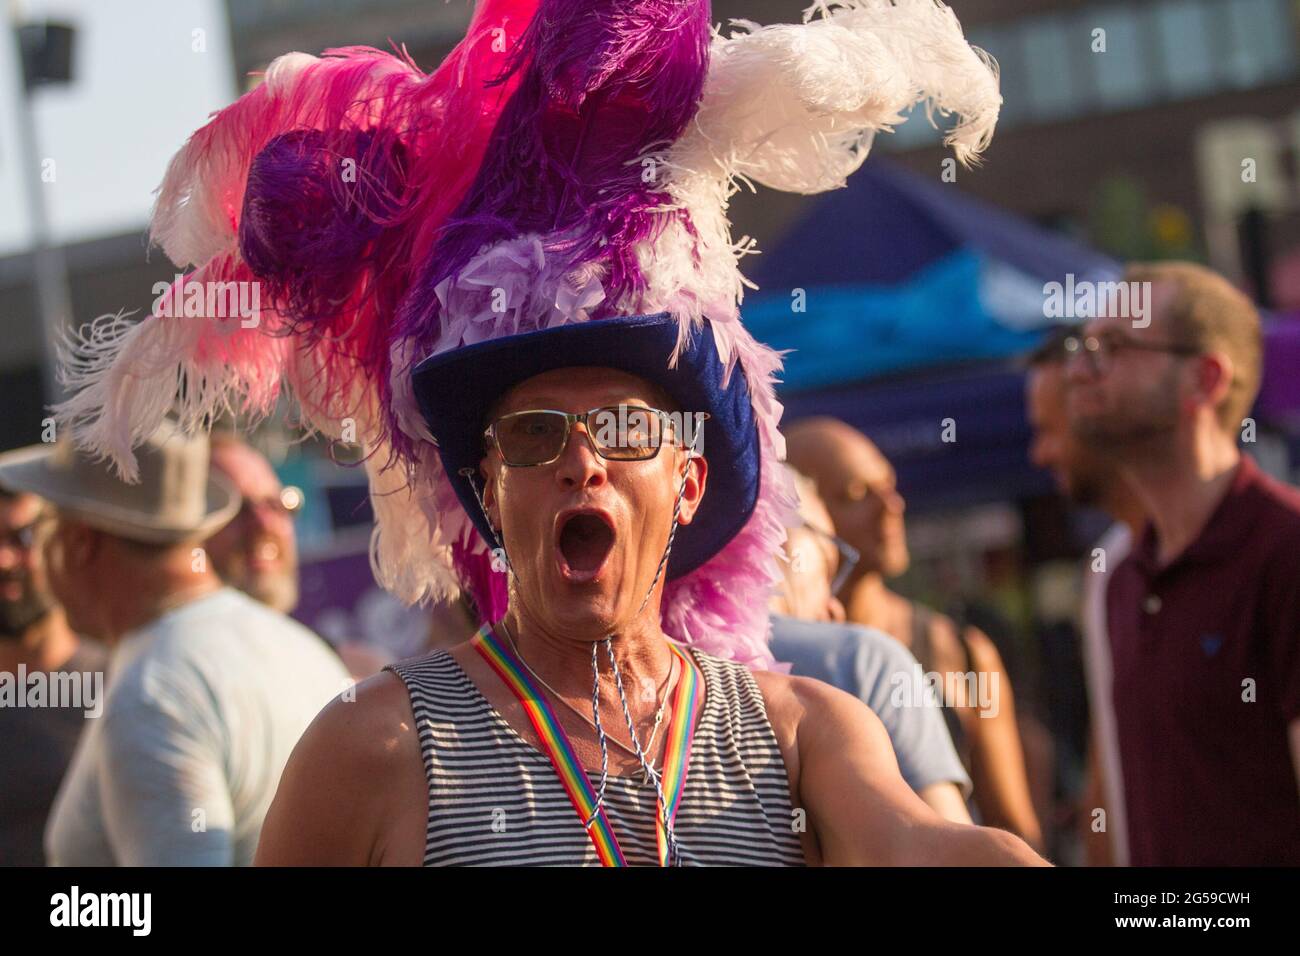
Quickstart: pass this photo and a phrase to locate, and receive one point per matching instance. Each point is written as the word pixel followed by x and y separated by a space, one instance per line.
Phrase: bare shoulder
pixel 984 653
pixel 361 727
pixel 354 776
pixel 954 652
pixel 792 700
pixel 804 711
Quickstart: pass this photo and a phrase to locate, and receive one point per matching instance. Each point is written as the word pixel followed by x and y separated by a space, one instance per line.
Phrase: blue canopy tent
pixel 904 303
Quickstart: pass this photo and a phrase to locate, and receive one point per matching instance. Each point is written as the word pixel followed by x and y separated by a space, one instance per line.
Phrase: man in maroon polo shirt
pixel 1204 614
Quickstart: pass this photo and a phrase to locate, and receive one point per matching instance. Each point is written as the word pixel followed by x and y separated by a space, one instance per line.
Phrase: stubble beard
pixel 16 617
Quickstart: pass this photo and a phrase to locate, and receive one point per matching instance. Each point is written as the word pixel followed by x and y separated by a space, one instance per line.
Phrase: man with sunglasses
pixel 1203 616
pixel 257 552
pixel 585 476
pixel 36 743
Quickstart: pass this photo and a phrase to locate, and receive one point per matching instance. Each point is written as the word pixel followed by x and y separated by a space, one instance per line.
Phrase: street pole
pixel 49 264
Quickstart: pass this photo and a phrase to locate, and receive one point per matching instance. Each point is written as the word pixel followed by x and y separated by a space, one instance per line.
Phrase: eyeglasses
pixel 286 504
pixel 1099 350
pixel 849 556
pixel 614 432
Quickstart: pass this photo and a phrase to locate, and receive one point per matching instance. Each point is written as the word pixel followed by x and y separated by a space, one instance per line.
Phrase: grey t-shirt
pixel 874 668
pixel 36 746
pixel 204 706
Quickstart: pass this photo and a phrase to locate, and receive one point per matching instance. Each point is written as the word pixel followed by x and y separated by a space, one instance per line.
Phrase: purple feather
pixel 307 225
pixel 604 84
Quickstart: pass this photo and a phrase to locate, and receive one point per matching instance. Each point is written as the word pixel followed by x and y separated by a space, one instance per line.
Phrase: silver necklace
pixel 659 714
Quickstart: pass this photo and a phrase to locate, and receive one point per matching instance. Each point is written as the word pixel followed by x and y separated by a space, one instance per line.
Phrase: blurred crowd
pixel 178 589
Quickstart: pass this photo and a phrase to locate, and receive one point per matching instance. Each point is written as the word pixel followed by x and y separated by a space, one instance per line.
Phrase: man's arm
pixel 164 789
pixel 946 800
pixel 860 809
pixel 1096 846
pixel 997 753
pixel 341 797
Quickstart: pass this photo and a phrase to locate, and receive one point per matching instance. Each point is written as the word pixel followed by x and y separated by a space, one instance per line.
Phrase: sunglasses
pixel 287 504
pixel 22 539
pixel 614 432
pixel 849 556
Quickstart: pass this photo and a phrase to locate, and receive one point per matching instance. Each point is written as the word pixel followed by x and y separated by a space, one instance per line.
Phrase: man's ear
pixel 82 544
pixel 1214 374
pixel 487 467
pixel 697 477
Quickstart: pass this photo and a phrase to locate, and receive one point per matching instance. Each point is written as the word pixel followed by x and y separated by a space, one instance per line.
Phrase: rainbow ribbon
pixel 687 704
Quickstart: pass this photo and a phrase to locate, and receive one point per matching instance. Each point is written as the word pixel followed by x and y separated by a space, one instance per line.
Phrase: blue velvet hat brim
pixel 455 389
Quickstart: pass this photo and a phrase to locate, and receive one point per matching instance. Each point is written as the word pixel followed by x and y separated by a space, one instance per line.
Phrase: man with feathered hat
pixel 513 281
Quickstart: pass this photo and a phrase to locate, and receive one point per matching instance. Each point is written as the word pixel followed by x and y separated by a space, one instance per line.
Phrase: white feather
pixel 115 406
pixel 795 106
pixel 194 216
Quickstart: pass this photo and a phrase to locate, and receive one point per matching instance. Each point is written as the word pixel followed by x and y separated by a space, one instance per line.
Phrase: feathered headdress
pixel 570 161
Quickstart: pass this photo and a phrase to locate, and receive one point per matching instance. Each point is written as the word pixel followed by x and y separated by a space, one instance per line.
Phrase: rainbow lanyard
pixel 687 703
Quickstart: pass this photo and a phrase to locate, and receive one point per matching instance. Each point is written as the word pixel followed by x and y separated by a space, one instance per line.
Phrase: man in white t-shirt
pixel 1088 479
pixel 209 690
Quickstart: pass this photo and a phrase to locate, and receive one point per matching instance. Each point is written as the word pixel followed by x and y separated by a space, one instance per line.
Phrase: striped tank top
pixel 495 800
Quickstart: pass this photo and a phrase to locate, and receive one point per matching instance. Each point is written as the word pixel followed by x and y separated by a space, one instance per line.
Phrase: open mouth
pixel 584 543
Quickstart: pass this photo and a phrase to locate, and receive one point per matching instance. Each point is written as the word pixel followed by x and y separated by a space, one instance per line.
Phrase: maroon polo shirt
pixel 1208 777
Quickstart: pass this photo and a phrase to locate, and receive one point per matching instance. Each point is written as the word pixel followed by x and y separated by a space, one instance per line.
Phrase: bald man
pixel 809 632
pixel 859 488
